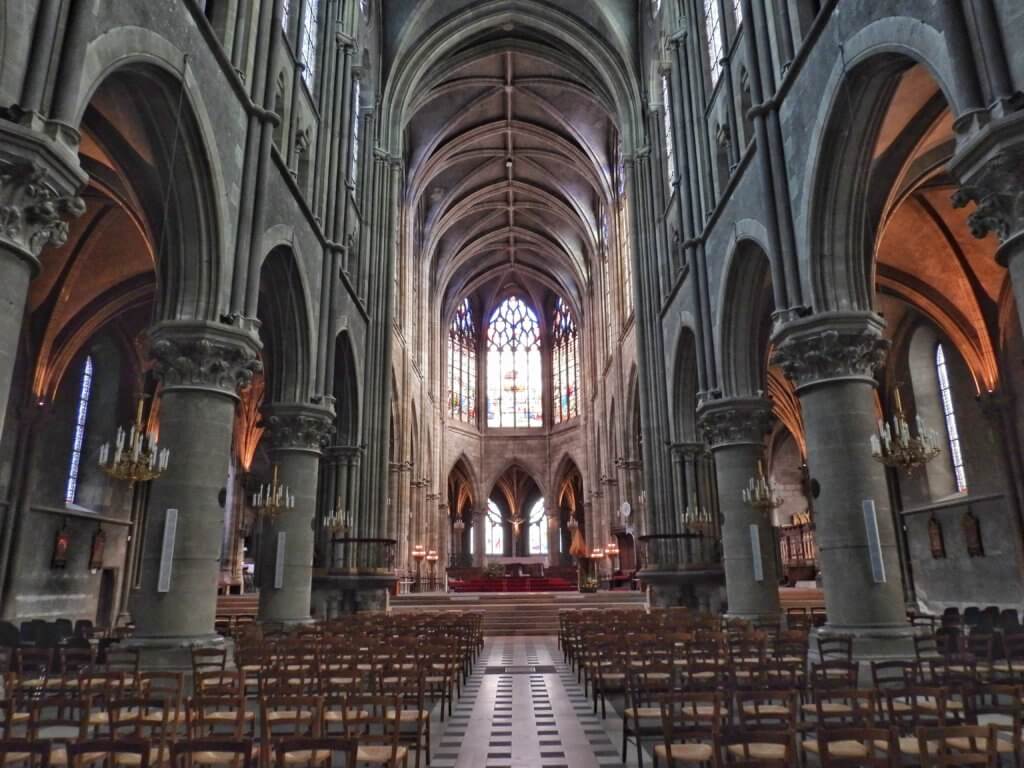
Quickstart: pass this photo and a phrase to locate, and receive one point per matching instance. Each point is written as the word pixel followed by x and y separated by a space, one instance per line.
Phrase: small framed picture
pixel 99 543
pixel 61 545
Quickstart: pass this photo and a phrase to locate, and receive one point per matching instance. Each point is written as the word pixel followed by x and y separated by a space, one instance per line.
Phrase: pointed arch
pixel 285 328
pixel 744 320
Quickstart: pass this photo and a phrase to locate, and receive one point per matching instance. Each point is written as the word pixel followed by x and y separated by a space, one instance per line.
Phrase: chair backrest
pixel 958 745
pixel 335 751
pixel 217 717
pixel 844 708
pixel 767 710
pixel 289 716
pixel 37 751
pixel 687 716
pixel 835 648
pixel 916 707
pixel 84 752
pixel 184 752
pixel 218 683
pixel 370 717
pixel 746 749
pixel 66 715
pixel 878 748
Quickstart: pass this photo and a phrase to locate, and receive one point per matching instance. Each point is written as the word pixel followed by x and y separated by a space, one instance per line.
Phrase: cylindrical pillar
pixel 200 366
pixel 831 358
pixel 297 434
pixel 736 428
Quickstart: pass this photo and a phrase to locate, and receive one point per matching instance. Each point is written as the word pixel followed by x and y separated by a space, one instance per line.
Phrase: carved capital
pixel 736 421
pixel 298 427
pixel 200 355
pixel 831 346
pixel 39 184
pixel 990 168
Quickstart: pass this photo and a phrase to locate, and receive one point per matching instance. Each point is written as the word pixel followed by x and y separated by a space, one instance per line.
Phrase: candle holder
pixel 134 454
pixel 337 522
pixel 895 446
pixel 273 498
pixel 418 553
pixel 697 520
pixel 759 494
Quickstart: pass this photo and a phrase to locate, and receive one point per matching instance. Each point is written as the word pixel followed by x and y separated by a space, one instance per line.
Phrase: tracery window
pixel 538 530
pixel 286 15
pixel 564 364
pixel 514 374
pixel 713 31
pixel 462 364
pixel 308 41
pixel 494 530
pixel 670 154
pixel 353 171
pixel 952 433
pixel 78 438
pixel 737 12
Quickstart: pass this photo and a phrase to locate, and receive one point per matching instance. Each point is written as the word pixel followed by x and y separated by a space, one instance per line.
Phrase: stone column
pixel 990 167
pixel 39 179
pixel 831 358
pixel 297 434
pixel 736 428
pixel 201 367
pixel 479 518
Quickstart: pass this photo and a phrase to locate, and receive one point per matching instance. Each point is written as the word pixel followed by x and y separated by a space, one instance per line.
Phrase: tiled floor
pixel 523 708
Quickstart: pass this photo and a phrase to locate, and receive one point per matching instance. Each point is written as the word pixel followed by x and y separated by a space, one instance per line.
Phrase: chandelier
pixel 459 525
pixel 134 455
pixel 572 523
pixel 759 494
pixel 894 446
pixel 337 520
pixel 697 519
pixel 273 498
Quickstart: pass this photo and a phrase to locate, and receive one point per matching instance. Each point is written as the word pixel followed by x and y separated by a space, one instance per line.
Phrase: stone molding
pixel 990 168
pixel 736 421
pixel 831 346
pixel 39 184
pixel 202 355
pixel 298 427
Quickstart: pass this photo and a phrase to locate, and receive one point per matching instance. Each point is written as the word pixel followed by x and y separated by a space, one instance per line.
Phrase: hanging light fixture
pixel 895 446
pixel 572 524
pixel 134 454
pixel 459 525
pixel 337 521
pixel 273 498
pixel 696 518
pixel 759 494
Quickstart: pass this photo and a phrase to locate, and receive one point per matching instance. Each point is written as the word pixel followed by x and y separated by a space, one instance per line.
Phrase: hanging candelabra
pixel 273 498
pixel 895 446
pixel 338 520
pixel 697 519
pixel 134 454
pixel 572 524
pixel 759 494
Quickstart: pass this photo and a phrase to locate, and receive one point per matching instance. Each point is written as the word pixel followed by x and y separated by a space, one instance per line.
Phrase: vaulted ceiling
pixel 510 147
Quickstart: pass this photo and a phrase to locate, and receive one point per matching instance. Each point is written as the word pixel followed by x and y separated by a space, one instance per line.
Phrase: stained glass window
pixel 514 377
pixel 737 12
pixel 286 13
pixel 713 30
pixel 78 439
pixel 952 433
pixel 538 530
pixel 670 155
pixel 606 278
pixel 564 364
pixel 462 365
pixel 494 530
pixel 354 160
pixel 307 42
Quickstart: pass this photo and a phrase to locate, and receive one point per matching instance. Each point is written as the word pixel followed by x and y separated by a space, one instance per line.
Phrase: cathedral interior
pixel 531 344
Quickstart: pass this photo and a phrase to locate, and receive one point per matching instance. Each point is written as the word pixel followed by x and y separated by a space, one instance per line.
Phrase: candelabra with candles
pixel 134 454
pixel 759 494
pixel 432 558
pixel 895 446
pixel 612 551
pixel 572 524
pixel 697 519
pixel 273 498
pixel 338 521
pixel 418 553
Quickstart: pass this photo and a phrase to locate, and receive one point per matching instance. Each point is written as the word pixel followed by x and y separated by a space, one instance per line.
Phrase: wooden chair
pixel 377 732
pixel 169 686
pixel 835 648
pixel 65 720
pixel 690 724
pixel 90 752
pixel 857 748
pixel 1001 706
pixel 289 717
pixel 235 753
pixel 409 686
pixel 839 709
pixel 758 749
pixel 146 720
pixel 332 751
pixel 646 682
pixel 958 745
pixel 912 709
pixel 221 717
pixel 32 753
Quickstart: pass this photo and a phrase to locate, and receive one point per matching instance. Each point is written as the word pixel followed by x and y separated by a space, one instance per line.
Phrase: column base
pixel 174 653
pixel 879 643
pixel 339 594
pixel 697 589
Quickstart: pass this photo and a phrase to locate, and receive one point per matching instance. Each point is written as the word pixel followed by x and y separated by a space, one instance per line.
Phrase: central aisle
pixel 522 707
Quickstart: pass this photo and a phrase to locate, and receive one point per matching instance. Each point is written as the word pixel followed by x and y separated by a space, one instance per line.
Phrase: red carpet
pixel 521 584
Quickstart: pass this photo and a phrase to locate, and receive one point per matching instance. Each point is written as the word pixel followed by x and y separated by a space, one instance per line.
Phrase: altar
pixel 516 567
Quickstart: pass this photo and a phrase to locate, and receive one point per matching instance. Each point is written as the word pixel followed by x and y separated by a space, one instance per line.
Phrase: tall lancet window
pixel 78 438
pixel 494 531
pixel 514 375
pixel 625 245
pixel 713 30
pixel 462 365
pixel 353 172
pixel 564 364
pixel 670 154
pixel 952 433
pixel 308 41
